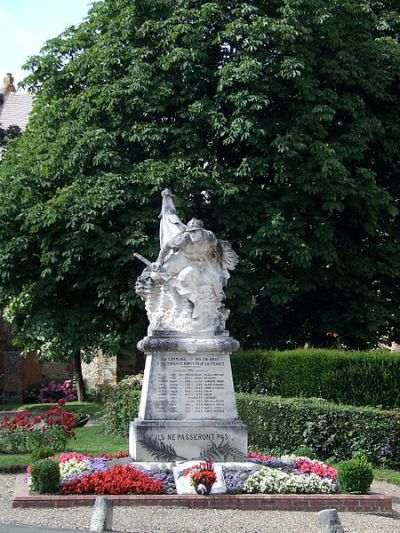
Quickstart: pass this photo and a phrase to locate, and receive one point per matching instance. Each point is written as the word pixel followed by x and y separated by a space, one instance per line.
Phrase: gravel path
pixel 179 520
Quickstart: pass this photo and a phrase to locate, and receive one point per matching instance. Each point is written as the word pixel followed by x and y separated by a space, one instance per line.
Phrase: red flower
pixel 121 479
pixel 60 403
pixel 53 418
pixel 117 455
pixel 201 473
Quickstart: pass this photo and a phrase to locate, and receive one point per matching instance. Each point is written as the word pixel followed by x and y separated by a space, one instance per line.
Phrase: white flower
pixel 73 466
pixel 271 480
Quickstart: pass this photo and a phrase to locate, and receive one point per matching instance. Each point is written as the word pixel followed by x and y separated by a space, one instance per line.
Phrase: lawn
pixel 385 474
pixel 90 440
pixel 93 440
pixel 90 408
pixel 9 406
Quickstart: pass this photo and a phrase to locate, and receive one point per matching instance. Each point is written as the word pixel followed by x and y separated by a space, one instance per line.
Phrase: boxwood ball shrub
pixel 43 452
pixel 355 475
pixel 350 377
pixel 45 475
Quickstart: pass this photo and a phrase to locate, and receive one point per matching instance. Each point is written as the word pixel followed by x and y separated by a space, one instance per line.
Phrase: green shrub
pixel 121 406
pixel 334 432
pixel 45 475
pixel 355 475
pixel 280 425
pixel 352 378
pixel 305 451
pixel 43 452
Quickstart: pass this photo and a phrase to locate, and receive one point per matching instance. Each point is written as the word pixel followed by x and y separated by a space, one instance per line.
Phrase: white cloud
pixel 20 35
pixel 4 16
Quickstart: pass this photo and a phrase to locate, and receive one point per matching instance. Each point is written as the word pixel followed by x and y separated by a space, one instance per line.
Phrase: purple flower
pixel 97 464
pixel 275 463
pixel 235 480
pixel 165 475
pixel 57 391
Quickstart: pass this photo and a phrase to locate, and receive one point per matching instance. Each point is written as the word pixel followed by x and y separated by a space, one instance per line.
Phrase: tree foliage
pixel 6 135
pixel 276 122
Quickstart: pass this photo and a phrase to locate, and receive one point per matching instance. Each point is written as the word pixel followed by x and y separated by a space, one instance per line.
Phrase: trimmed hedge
pixel 347 377
pixel 335 432
pixel 280 425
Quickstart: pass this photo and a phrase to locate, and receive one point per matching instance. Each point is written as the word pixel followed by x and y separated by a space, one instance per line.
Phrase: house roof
pixel 15 110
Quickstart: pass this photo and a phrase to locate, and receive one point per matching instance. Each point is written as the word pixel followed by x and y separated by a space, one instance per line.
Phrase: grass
pixel 13 463
pixel 386 474
pixel 93 440
pixel 90 440
pixel 89 408
pixel 9 406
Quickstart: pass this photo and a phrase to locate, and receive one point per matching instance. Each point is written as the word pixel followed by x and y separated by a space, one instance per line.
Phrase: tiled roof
pixel 15 110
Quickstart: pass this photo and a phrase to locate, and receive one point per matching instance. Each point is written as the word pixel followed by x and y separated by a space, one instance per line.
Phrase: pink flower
pixel 306 466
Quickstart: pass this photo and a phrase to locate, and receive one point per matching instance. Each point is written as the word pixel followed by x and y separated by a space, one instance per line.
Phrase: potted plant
pixel 202 477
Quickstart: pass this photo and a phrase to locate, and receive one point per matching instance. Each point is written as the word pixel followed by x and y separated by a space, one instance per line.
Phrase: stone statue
pixel 187 405
pixel 8 84
pixel 183 289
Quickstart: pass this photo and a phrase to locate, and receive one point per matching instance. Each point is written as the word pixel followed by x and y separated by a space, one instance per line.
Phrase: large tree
pixel 6 135
pixel 277 122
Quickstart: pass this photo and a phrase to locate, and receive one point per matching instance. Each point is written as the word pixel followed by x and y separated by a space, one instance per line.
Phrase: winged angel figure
pixel 183 288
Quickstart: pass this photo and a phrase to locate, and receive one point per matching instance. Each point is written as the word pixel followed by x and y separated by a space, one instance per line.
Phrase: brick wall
pixel 19 374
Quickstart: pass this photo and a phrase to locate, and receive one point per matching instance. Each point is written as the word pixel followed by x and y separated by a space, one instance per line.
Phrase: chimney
pixel 8 84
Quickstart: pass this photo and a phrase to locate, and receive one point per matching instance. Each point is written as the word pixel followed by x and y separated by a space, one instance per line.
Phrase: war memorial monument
pixel 188 407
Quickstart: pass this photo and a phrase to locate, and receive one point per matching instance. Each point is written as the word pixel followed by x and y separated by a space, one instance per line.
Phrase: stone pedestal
pixel 188 407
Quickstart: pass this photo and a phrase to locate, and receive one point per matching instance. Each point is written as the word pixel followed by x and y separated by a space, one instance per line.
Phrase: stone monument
pixel 188 407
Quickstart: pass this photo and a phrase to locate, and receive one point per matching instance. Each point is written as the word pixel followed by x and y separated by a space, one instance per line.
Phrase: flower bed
pixel 26 431
pixel 83 474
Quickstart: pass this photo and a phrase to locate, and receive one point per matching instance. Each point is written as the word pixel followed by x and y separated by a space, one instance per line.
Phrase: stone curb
pixel 267 502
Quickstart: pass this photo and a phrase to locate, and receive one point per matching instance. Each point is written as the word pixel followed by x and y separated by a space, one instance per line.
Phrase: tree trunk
pixel 80 384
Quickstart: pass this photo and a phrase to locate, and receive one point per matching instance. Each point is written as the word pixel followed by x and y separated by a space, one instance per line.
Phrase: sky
pixel 25 25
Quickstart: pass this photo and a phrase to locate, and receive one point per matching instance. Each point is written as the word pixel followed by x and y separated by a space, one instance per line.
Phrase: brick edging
pixel 267 502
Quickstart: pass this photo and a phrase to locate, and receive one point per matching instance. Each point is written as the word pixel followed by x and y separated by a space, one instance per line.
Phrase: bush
pixel 58 391
pixel 45 476
pixel 305 451
pixel 355 475
pixel 352 378
pixel 281 425
pixel 334 432
pixel 26 431
pixel 121 406
pixel 43 452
